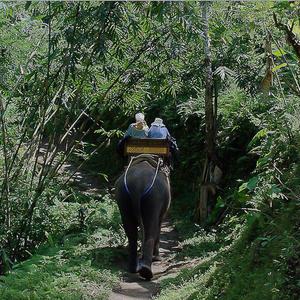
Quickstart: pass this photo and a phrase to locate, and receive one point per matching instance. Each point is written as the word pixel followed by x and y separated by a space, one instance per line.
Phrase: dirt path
pixel 134 287
pixel 81 180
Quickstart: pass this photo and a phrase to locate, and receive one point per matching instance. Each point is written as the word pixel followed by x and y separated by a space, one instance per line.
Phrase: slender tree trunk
pixel 208 183
pixel 209 111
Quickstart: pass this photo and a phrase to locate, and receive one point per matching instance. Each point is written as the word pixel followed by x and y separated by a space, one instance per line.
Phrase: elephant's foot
pixel 156 258
pixel 145 271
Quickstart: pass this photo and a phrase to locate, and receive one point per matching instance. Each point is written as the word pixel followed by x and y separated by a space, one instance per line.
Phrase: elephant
pixel 142 205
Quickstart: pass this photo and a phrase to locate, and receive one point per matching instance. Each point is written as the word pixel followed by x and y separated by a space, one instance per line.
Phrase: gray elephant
pixel 143 197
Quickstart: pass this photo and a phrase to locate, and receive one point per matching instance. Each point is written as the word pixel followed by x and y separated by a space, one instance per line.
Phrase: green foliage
pixel 258 260
pixel 253 253
pixel 59 274
pixel 201 245
pixel 65 267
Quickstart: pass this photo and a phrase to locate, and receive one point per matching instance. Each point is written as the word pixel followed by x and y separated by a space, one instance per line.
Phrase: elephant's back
pixel 140 175
pixel 143 175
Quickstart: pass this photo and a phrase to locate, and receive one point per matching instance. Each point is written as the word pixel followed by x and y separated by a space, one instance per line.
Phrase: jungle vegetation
pixel 224 77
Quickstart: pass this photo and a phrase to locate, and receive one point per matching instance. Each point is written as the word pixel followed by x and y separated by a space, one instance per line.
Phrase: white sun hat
pixel 139 117
pixel 158 122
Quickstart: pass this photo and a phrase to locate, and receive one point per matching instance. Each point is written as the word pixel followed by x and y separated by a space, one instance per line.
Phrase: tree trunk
pixel 211 172
pixel 209 112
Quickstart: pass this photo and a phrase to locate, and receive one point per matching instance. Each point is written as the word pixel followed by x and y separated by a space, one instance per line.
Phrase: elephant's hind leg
pixel 133 257
pixel 130 224
pixel 132 234
pixel 150 232
pixel 146 262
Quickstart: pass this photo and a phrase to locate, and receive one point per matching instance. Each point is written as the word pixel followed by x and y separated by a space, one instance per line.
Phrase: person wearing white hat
pixel 158 130
pixel 139 129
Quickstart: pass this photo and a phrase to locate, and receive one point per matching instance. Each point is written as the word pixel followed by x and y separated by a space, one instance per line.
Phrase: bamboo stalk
pixel 5 185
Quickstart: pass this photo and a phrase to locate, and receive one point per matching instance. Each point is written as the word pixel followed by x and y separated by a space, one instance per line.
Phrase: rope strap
pixel 125 176
pixel 153 180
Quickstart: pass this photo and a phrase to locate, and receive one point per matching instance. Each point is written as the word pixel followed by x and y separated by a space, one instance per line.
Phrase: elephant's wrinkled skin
pixel 147 212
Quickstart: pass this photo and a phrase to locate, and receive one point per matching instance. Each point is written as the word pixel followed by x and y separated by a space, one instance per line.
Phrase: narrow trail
pixel 134 287
pixel 81 180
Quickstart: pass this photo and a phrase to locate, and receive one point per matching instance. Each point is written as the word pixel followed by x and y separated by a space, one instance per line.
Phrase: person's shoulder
pixel 153 126
pixel 130 126
pixel 129 130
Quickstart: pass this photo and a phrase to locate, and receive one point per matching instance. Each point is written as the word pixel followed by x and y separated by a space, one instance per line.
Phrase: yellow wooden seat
pixel 147 146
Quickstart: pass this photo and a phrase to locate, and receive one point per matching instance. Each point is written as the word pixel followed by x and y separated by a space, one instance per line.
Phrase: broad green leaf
pixel 50 239
pixel 296 28
pixel 274 189
pixel 259 135
pixel 220 202
pixel 279 67
pixel 252 183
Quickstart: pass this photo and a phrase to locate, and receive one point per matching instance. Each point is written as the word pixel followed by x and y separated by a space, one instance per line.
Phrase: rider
pixel 158 130
pixel 139 129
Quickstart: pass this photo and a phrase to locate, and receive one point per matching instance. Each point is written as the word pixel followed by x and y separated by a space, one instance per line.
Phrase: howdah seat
pixel 158 147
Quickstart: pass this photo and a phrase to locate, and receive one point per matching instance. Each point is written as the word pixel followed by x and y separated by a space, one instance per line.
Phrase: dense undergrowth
pixel 242 261
pixel 70 264
pixel 250 247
